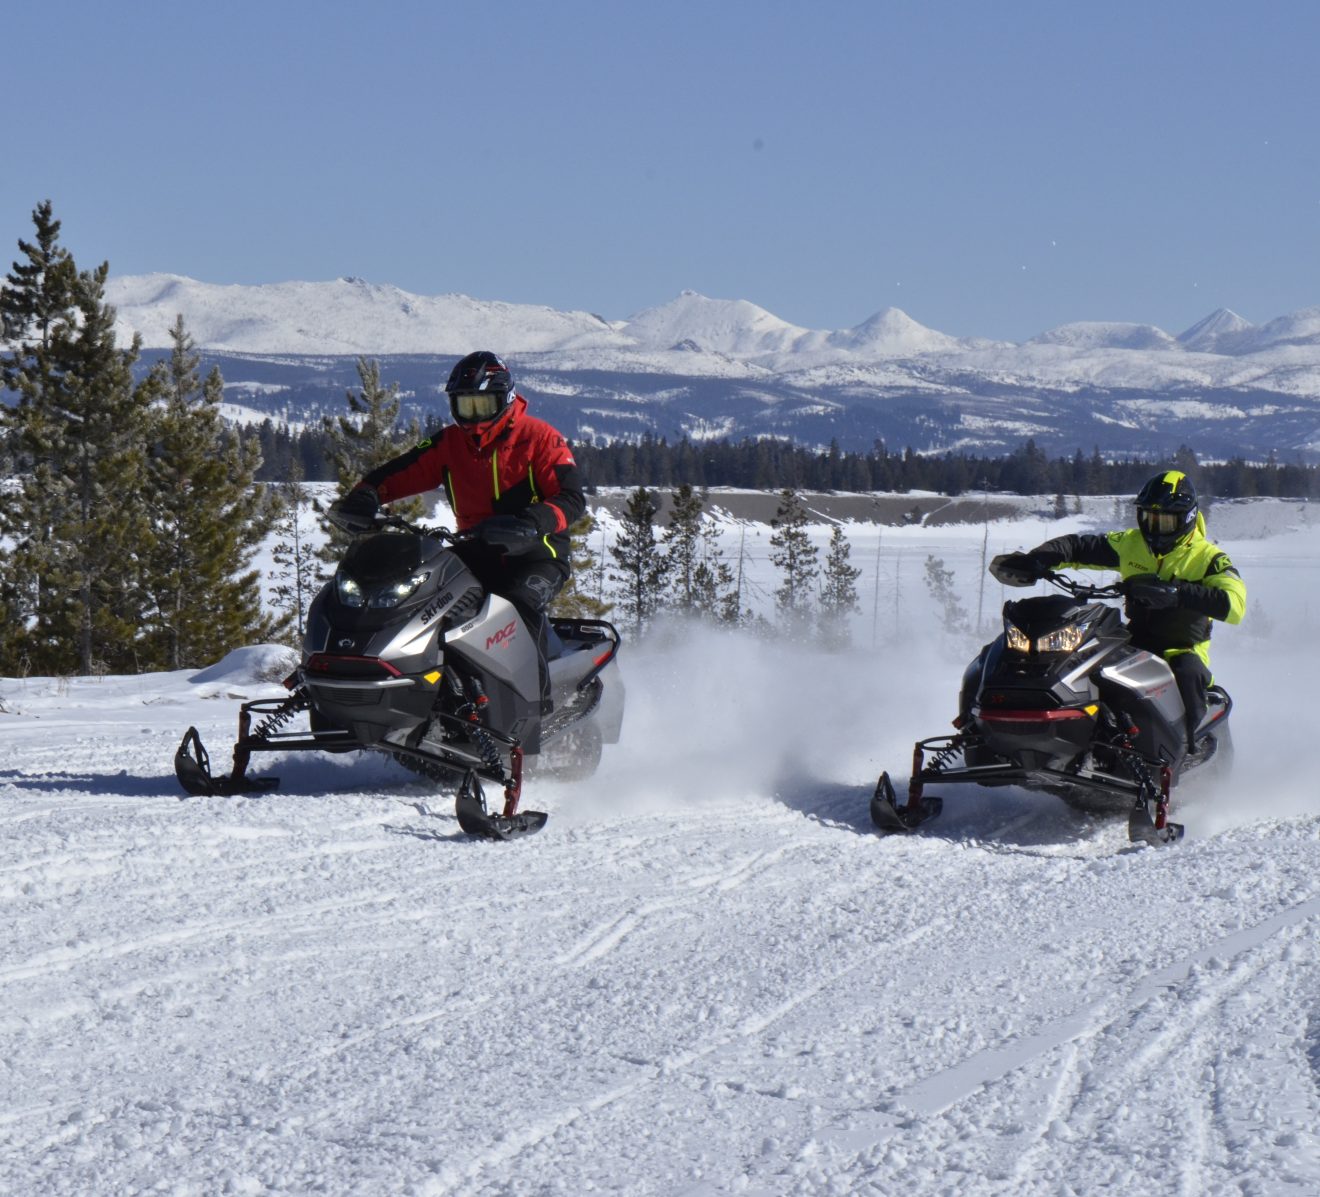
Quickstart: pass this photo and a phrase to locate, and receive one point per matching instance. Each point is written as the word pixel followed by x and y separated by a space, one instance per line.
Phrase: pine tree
pixel 36 308
pixel 297 573
pixel 939 581
pixel 209 518
pixel 365 438
pixel 575 601
pixel 714 589
pixel 80 431
pixel 795 556
pixel 681 545
pixel 838 596
pixel 640 568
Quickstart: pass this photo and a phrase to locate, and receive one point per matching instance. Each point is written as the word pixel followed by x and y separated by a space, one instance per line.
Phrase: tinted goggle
pixel 1161 523
pixel 478 405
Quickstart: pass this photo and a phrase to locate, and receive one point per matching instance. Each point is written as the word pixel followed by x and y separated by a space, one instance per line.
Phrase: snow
pixel 696 336
pixel 708 975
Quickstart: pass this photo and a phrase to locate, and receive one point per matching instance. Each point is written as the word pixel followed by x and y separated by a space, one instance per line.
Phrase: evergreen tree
pixel 715 593
pixel 939 581
pixel 838 596
pixel 297 573
pixel 795 556
pixel 575 600
pixel 36 308
pixel 209 518
pixel 80 431
pixel 681 545
pixel 365 438
pixel 640 568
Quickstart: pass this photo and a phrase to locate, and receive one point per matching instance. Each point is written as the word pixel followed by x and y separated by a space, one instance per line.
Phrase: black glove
pixel 513 533
pixel 1150 593
pixel 356 511
pixel 1017 569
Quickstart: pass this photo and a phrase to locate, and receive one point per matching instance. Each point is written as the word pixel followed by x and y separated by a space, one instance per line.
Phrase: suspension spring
pixel 279 717
pixel 942 757
pixel 486 746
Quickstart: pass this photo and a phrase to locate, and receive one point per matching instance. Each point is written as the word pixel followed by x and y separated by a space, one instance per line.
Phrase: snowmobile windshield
pixel 385 570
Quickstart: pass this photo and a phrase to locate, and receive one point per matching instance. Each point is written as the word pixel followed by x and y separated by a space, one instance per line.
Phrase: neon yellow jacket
pixel 1209 587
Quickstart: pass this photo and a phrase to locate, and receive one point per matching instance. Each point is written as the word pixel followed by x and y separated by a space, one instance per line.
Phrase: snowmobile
pixel 1063 702
pixel 405 653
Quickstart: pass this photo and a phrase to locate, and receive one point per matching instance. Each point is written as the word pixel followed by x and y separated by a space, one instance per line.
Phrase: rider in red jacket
pixel 510 480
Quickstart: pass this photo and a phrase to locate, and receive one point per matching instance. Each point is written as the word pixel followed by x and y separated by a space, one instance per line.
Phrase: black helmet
pixel 1166 510
pixel 480 387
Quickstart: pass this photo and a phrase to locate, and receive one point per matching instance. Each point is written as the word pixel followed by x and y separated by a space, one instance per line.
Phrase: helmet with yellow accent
pixel 1166 510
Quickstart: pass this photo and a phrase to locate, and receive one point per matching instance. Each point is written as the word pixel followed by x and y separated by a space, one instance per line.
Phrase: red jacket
pixel 518 466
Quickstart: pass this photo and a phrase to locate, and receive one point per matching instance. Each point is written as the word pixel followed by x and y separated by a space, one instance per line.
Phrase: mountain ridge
pixel 699 367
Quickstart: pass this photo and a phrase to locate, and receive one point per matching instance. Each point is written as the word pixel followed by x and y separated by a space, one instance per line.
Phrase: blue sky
pixel 993 169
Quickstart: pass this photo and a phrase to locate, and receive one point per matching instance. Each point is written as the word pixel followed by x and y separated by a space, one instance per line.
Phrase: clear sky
pixel 994 168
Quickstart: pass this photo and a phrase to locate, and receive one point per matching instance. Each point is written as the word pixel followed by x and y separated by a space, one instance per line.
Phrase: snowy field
pixel 707 975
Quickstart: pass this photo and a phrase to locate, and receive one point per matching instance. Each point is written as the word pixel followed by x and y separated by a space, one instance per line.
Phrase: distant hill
pixel 701 367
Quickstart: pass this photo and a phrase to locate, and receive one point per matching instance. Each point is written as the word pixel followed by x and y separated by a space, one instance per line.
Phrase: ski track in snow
pixel 707 976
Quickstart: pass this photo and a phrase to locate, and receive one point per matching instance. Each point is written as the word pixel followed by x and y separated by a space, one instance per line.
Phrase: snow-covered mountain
pixel 698 366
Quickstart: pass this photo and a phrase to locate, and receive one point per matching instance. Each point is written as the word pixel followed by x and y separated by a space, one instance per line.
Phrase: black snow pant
pixel 529 585
pixel 1193 678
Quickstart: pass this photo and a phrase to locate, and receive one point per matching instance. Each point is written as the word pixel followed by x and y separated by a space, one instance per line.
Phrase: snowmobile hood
pixel 1048 612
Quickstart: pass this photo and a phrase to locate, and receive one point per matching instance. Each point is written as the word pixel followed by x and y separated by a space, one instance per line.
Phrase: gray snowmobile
pixel 406 654
pixel 1063 702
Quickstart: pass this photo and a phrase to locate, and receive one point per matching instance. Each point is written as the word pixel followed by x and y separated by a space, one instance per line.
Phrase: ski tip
pixel 890 818
pixel 502 827
pixel 1142 829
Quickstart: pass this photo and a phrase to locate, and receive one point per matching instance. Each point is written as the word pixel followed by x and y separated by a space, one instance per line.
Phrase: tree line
pixel 770 464
pixel 682 570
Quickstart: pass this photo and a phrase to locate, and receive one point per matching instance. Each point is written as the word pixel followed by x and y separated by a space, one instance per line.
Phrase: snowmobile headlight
pixel 350 593
pixel 1015 639
pixel 393 593
pixel 1066 639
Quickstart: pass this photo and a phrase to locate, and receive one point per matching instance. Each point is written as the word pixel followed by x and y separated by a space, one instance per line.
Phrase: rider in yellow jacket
pixel 1175 581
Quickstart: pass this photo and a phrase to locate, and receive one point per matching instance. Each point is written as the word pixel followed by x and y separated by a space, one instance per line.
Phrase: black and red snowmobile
pixel 1063 702
pixel 406 654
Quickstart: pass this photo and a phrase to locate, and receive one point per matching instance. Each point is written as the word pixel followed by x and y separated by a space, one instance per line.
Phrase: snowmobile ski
pixel 192 766
pixel 475 819
pixel 889 817
pixel 1148 823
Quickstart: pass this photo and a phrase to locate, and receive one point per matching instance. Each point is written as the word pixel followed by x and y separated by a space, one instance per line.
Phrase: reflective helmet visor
pixel 478 405
pixel 1160 523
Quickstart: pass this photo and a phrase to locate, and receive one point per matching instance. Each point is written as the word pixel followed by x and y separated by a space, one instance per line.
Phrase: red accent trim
pixel 1032 716
pixel 605 656
pixel 324 661
pixel 560 522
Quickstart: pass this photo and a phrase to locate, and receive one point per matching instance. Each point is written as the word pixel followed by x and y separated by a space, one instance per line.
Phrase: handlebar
pixel 1083 590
